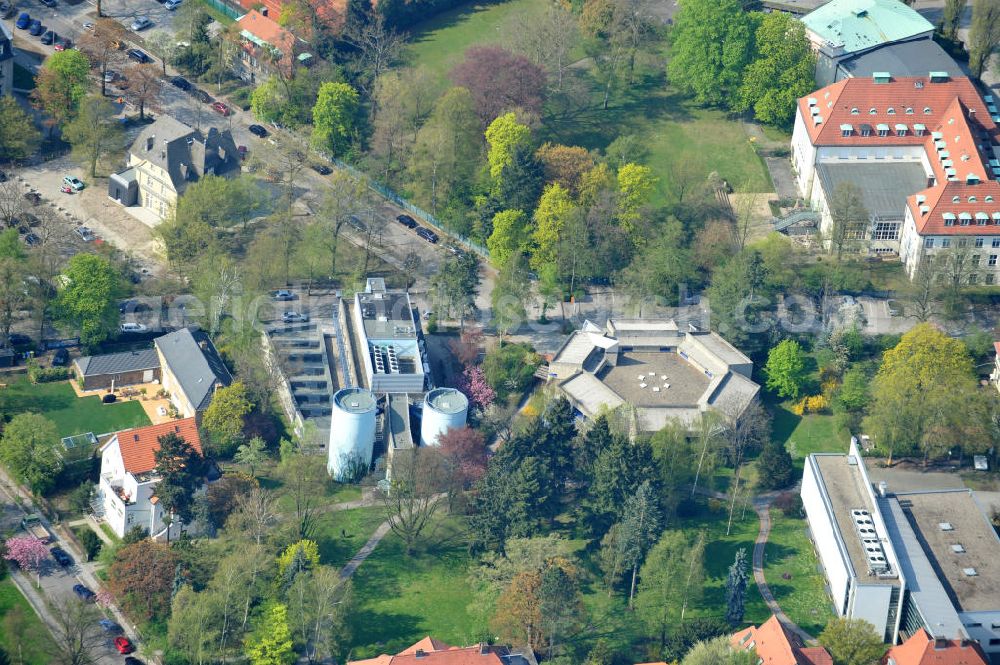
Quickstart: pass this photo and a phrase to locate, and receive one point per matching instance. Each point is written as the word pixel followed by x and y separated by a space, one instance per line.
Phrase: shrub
pixel 38 374
pixel 509 369
pixel 790 504
pixel 91 543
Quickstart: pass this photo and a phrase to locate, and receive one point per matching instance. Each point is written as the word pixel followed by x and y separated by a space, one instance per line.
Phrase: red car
pixel 221 108
pixel 123 645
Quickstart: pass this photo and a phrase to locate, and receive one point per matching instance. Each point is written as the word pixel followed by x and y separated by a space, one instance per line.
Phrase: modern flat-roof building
pixel 663 372
pixel 387 332
pixel 908 561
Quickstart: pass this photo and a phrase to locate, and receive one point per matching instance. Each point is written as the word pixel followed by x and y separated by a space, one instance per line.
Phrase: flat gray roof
pixel 686 384
pixel 399 421
pixel 387 316
pixel 914 58
pixel 927 511
pixel 447 400
pixel 844 485
pixel 885 184
pixel 354 400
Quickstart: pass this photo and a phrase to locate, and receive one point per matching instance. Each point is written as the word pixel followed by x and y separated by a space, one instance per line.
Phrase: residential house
pixel 329 13
pixel 844 29
pixel 114 370
pixel 191 370
pixel 165 157
pixel 6 60
pixel 126 489
pixel 922 152
pixel 774 644
pixel 430 651
pixel 267 48
pixel 922 649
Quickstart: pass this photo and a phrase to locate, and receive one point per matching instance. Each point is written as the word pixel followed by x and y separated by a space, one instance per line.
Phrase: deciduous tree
pixel 144 85
pixel 335 116
pixel 271 642
pixel 984 35
pixel 29 553
pixel 77 637
pixel 510 236
pixel 670 581
pixel 635 186
pixel 786 369
pixel 849 218
pixel 29 450
pixel 775 468
pixel 61 85
pixel 225 418
pixel 782 70
pixel 412 498
pixel 718 652
pixel 852 641
pixel 94 132
pixel 142 576
pixel 500 81
pixel 18 136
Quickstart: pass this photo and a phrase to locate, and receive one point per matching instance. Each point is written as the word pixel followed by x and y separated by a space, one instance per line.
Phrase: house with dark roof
pixel 165 157
pixel 430 651
pixel 114 370
pixel 922 649
pixel 126 489
pixel 191 370
pixel 774 644
pixel 924 153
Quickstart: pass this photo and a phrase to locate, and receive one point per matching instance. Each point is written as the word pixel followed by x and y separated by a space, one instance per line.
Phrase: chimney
pixel 149 142
pixel 883 488
pixel 420 653
pixel 203 345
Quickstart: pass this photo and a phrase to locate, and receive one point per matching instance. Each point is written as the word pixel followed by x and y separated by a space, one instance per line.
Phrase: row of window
pixel 989 279
pixel 931 243
pixel 866 130
pixel 890 111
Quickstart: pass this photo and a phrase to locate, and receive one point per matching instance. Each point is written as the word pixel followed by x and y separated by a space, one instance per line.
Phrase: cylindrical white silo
pixel 352 433
pixel 444 408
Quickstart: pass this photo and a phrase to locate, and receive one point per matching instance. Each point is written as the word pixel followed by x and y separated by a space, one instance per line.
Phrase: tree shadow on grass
pixel 425 30
pixel 374 633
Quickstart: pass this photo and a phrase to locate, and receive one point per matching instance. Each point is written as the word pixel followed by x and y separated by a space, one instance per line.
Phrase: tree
pixel 552 213
pixel 101 45
pixel 618 472
pixel 14 275
pixel 853 395
pixel 335 116
pixel 180 467
pixel 849 217
pixel 463 450
pixel 94 132
pixel 924 395
pixel 559 603
pixel 318 605
pixel 271 642
pixel 91 543
pixel 635 186
pixel 304 477
pixel 18 136
pixel 76 639
pixel 786 369
pixel 141 577
pixel 736 588
pixel 252 454
pixel 509 236
pixel 984 35
pixel 298 557
pixel 30 450
pixel 547 40
pixel 506 137
pixel 782 70
pixel 671 579
pixel 225 418
pixel 143 85
pixel 640 525
pixel 221 202
pixel 378 47
pixel 29 553
pixel 711 44
pixel 951 17
pixel 718 652
pixel 500 81
pixel 659 269
pixel 776 469
pixel 518 617
pixel 852 641
pixel 565 165
pixel 412 498
pixel 61 85
pixel 508 298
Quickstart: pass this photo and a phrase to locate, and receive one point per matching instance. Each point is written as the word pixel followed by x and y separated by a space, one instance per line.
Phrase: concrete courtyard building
pixel 663 372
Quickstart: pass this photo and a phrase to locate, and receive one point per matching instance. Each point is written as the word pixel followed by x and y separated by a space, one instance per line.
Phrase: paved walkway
pixel 363 553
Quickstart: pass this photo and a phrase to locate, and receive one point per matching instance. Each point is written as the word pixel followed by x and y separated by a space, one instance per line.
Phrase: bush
pixel 37 374
pixel 790 504
pixel 509 369
pixel 813 404
pixel 241 97
pixel 91 543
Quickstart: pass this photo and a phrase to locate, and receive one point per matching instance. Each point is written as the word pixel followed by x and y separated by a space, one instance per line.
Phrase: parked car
pixel 221 108
pixel 141 23
pixel 88 26
pixel 124 645
pixel 242 150
pixel 61 557
pixel 23 21
pixel 427 234
pixel 321 169
pixel 6 10
pixel 181 82
pixel 109 626
pixel 130 660
pixel 85 233
pixel 201 95
pixel 455 250
pixel 130 327
pixel 63 43
pixel 31 240
pixel 407 221
pixel 356 222
pixel 294 317
pixel 172 4
pixel 139 56
pixel 73 182
pixel 35 29
pixel 282 295
pixel 110 76
pixel 33 524
pixel 83 593
pixel 60 358
pixel 34 198
pixel 258 130
pixel 48 38
pixel 19 339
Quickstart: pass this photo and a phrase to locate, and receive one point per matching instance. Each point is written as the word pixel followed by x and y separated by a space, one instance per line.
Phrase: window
pixel 883 131
pixel 891 111
pixel 963 242
pixel 872 111
pixel 855 111
pixel 866 130
pixel 993 259
pixel 989 278
pixel 975 260
pixel 886 231
pixel 972 199
pixel 996 243
pixel 979 242
pixel 909 110
pixel 929 243
pixel 945 243
pixel 956 199
pixel 949 221
pixel 973 278
pixel 988 198
pixel 927 110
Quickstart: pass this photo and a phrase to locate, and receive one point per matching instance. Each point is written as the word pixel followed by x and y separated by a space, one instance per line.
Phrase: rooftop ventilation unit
pixel 958 548
pixel 379 361
pixel 945 526
pixel 970 572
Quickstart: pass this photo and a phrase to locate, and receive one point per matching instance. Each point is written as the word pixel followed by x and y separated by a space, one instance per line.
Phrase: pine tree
pixel 776 467
pixel 736 588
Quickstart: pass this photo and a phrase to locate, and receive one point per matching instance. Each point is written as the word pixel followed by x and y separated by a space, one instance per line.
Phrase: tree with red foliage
pixel 28 553
pixel 142 577
pixel 500 81
pixel 464 451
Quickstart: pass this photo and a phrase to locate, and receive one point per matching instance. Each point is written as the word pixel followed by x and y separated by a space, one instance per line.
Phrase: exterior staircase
pixel 783 223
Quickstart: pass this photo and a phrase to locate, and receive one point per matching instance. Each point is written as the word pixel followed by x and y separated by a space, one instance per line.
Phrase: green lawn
pixel 401 599
pixel 440 42
pixel 342 533
pixel 71 414
pixel 802 595
pixel 23 629
pixel 811 433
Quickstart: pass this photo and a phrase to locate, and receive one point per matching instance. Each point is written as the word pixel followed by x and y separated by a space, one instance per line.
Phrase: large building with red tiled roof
pixel 267 48
pixel 923 153
pixel 922 649
pixel 126 490
pixel 774 644
pixel 430 651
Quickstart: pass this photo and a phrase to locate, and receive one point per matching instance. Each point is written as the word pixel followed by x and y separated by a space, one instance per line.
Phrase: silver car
pixel 141 23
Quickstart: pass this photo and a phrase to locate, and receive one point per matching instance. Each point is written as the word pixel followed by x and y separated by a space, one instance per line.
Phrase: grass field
pixel 401 599
pixel 802 595
pixel 21 628
pixel 71 414
pixel 342 533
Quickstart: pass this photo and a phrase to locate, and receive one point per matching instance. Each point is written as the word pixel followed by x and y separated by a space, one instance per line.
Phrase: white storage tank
pixel 352 433
pixel 444 408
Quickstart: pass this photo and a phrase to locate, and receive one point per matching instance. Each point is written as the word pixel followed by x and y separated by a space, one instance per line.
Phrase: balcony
pixel 116 489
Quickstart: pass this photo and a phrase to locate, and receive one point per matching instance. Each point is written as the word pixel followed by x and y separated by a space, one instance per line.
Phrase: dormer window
pixel 883 129
pixel 956 199
pixel 846 130
pixel 872 111
pixel 891 111
pixel 988 198
pixel 909 110
pixel 982 219
pixel 964 219
pixel 866 130
pixel 927 110
pixel 972 199
pixel 919 130
pixel 855 111
pixel 901 129
pixel 949 218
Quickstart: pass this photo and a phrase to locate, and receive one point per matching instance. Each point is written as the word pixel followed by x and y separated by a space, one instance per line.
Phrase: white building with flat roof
pixel 388 343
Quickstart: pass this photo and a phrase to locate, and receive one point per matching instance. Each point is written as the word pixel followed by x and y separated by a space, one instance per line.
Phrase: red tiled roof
pixel 139 445
pixel 329 12
pixel 267 30
pixel 774 645
pixel 434 652
pixel 921 649
pixel 957 134
pixel 996 348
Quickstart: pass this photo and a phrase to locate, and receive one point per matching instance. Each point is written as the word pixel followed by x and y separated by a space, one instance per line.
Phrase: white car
pixel 133 328
pixel 294 317
pixel 172 4
pixel 141 23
